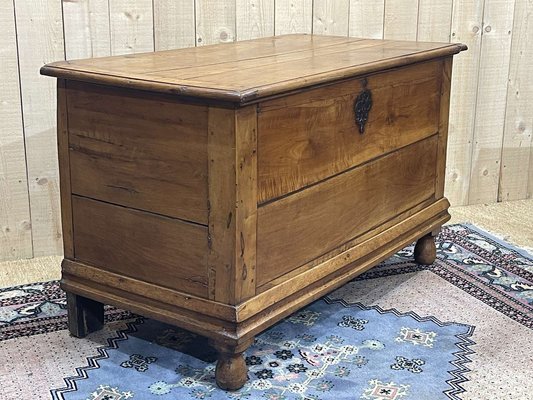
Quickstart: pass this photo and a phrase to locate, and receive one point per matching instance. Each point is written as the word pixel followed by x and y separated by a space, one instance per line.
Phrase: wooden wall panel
pixel 490 148
pixel 86 24
pixel 40 40
pixel 330 17
pixel 434 20
pixel 517 162
pixel 366 18
pixel 174 25
pixel 15 227
pixel 491 101
pixel 401 19
pixel 132 26
pixel 293 16
pixel 254 19
pixel 215 21
pixel 466 28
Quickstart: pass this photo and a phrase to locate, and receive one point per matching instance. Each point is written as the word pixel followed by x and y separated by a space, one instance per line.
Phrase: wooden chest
pixel 221 188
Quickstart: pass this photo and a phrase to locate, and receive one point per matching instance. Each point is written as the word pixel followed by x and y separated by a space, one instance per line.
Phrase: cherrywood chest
pixel 221 188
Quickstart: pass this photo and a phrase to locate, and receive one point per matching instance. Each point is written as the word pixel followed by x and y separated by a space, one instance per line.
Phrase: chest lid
pixel 246 71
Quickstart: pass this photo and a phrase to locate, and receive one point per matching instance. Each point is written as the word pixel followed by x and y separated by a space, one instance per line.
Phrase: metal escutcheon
pixel 362 107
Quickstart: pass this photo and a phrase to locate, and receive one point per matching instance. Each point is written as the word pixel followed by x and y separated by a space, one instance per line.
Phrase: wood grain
pixel 138 150
pixel 131 23
pixel 301 227
pixel 40 40
pixel 15 223
pixel 517 163
pixel 434 20
pixel 293 16
pixel 401 19
pixel 354 260
pixel 215 21
pixel 174 24
pixel 155 249
pixel 330 17
pixel 221 186
pixel 254 19
pixel 491 101
pixel 426 204
pixel 89 274
pixel 444 117
pixel 466 28
pixel 270 77
pixel 64 169
pixel 366 18
pixel 87 30
pixel 232 153
pixel 310 136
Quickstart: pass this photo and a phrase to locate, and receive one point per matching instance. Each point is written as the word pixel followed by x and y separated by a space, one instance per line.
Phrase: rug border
pixel 498 239
pixel 92 361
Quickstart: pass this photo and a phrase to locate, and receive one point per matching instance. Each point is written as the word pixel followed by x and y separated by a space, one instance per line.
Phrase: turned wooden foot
pixel 231 372
pixel 425 250
pixel 84 315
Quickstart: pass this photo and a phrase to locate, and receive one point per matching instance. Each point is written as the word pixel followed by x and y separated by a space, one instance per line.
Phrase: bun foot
pixel 425 250
pixel 231 372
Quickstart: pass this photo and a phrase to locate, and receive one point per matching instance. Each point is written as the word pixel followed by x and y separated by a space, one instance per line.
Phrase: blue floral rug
pixel 329 350
pixel 332 349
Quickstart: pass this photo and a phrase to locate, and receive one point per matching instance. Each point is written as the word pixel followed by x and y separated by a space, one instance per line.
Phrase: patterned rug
pixel 458 329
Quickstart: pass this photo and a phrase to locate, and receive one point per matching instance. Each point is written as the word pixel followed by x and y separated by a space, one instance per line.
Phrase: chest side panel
pixel 138 150
pixel 307 137
pixel 148 247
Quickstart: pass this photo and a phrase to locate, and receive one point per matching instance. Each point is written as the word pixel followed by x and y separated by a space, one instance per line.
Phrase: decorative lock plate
pixel 362 107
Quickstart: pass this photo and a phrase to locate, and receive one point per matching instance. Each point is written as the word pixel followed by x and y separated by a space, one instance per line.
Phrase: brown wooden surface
pixel 148 247
pixel 221 239
pixel 444 115
pixel 84 315
pixel 138 150
pixel 428 204
pixel 302 288
pixel 425 251
pixel 310 136
pixel 90 274
pixel 232 203
pixel 64 168
pixel 250 70
pixel 301 227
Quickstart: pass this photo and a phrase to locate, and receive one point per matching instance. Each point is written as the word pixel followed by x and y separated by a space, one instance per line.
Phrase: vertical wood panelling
pixel 174 25
pixel 530 183
pixel 466 28
pixel 132 27
pixel 491 101
pixel 490 147
pixel 517 140
pixel 254 19
pixel 330 17
pixel 293 16
pixel 15 228
pixel 86 24
pixel 215 21
pixel 40 40
pixel 434 20
pixel 401 19
pixel 366 18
